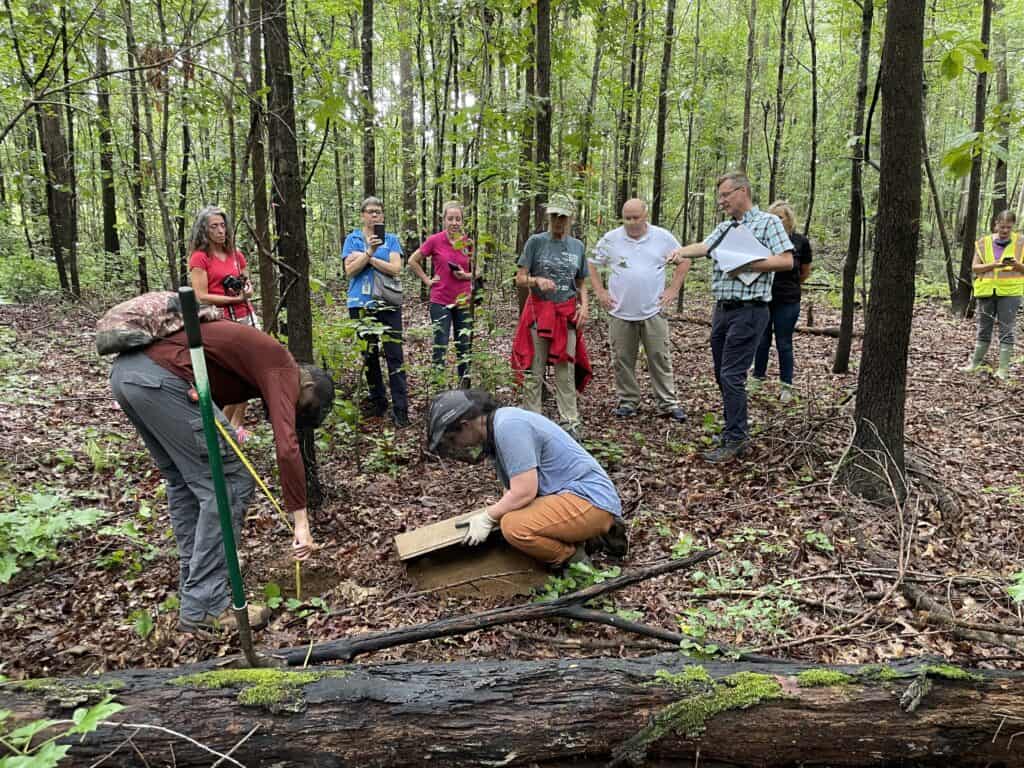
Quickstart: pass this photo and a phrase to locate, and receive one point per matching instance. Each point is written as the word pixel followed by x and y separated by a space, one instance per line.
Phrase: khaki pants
pixel 565 381
pixel 551 526
pixel 626 336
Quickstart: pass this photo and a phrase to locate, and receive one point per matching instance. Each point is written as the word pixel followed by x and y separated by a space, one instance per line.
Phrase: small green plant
pixel 685 546
pixel 272 594
pixel 608 453
pixel 577 576
pixel 48 753
pixel 33 530
pixel 385 456
pixel 142 623
pixel 303 608
pixel 1016 588
pixel 819 541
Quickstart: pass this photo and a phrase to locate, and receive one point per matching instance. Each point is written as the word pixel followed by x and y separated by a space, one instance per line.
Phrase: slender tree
pixel 999 191
pixel 780 105
pixel 874 467
pixel 812 168
pixel 258 162
pixel 663 83
pixel 410 232
pixel 542 137
pixel 368 108
pixel 111 242
pixel 964 290
pixel 841 363
pixel 748 84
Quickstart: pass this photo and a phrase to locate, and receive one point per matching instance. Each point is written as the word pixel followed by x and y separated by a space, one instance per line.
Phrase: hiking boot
pixel 786 394
pixel 373 408
pixel 400 418
pixel 624 412
pixel 978 358
pixel 677 414
pixel 614 543
pixel 726 451
pixel 226 621
pixel 1005 353
pixel 579 556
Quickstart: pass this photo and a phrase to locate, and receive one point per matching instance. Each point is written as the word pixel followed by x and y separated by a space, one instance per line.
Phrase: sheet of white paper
pixel 737 249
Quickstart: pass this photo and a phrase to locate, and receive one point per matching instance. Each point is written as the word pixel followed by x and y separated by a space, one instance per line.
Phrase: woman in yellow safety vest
pixel 998 287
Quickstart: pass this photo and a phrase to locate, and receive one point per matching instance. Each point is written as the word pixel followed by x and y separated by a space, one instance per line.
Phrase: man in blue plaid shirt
pixel 741 310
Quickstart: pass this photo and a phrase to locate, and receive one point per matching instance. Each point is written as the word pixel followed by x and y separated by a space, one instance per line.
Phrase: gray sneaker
pixel 726 451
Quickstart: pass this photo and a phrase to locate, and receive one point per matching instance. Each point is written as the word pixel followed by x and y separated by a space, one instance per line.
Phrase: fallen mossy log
pixel 660 710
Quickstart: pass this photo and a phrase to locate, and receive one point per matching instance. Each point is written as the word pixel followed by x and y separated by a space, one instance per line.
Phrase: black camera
pixel 233 285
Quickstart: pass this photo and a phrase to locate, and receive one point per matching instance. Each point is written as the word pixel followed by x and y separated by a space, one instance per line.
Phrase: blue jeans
pixel 444 319
pixel 734 336
pixel 391 340
pixel 783 320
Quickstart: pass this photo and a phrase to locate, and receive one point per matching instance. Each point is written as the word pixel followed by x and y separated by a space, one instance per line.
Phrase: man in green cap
pixel 553 267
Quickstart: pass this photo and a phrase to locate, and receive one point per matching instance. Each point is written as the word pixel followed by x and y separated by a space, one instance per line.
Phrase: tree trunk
pixel 947 250
pixel 56 162
pixel 962 297
pixel 583 172
pixel 410 231
pixel 663 81
pixel 629 93
pixel 138 204
pixel 637 145
pixel 773 170
pixel 853 246
pixel 600 711
pixel 258 161
pixel 874 466
pixel 111 242
pixel 691 108
pixel 369 148
pixel 999 192
pixel 812 170
pixel 69 119
pixel 288 201
pixel 182 214
pixel 748 85
pixel 526 167
pixel 542 137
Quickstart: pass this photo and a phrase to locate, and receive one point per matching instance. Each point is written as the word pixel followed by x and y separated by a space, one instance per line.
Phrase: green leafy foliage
pixel 819 541
pixel 142 623
pixel 1016 588
pixel 272 595
pixel 31 533
pixel 576 577
pixel 48 753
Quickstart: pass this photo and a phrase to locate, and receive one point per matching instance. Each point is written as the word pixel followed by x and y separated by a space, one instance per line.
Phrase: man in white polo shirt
pixel 636 254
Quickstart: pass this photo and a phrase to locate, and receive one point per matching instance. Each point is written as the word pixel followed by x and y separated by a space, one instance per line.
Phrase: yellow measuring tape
pixel 268 494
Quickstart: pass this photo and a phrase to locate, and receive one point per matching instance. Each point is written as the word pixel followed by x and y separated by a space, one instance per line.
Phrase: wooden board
pixel 431 538
pixel 436 558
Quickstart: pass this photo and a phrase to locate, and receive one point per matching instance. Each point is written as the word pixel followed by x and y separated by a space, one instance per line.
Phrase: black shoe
pixel 727 450
pixel 401 418
pixel 373 408
pixel 615 543
pixel 579 556
pixel 624 412
pixel 676 414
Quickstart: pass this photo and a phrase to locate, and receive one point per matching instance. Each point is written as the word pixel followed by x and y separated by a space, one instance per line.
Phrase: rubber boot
pixel 980 350
pixel 1005 353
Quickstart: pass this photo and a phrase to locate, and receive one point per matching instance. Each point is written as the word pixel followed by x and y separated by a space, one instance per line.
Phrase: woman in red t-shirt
pixel 451 287
pixel 215 259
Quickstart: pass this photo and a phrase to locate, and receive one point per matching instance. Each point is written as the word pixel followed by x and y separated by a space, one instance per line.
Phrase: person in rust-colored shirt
pixel 153 388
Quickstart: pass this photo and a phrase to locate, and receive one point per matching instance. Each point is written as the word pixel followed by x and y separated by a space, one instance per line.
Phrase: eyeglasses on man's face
pixel 723 196
pixel 373 211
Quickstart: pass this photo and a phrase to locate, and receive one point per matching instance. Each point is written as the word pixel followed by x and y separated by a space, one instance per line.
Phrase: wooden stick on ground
pixel 348 648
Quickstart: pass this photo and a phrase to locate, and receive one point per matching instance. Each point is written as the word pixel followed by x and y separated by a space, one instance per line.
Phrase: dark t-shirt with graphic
pixel 560 260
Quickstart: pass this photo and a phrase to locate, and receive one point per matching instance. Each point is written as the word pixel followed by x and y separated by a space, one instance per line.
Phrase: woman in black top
pixel 785 305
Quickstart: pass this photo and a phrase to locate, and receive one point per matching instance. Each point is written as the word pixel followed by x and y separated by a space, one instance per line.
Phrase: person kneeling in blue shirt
pixel 556 494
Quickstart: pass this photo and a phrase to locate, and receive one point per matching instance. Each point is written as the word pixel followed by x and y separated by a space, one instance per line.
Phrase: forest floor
pixel 805 571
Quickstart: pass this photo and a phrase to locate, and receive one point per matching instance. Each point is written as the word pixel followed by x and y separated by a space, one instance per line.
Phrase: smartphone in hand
pixel 378 231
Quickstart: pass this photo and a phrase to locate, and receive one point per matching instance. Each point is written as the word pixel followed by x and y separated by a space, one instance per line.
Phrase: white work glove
pixel 480 526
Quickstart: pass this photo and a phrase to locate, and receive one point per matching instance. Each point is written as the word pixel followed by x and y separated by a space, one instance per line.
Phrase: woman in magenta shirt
pixel 214 258
pixel 450 252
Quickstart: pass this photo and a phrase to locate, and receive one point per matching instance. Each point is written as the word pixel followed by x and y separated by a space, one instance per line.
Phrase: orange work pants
pixel 549 528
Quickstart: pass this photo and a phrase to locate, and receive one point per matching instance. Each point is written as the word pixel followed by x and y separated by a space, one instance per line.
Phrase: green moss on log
pixel 822 678
pixel 949 672
pixel 703 700
pixel 276 690
pixel 65 693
